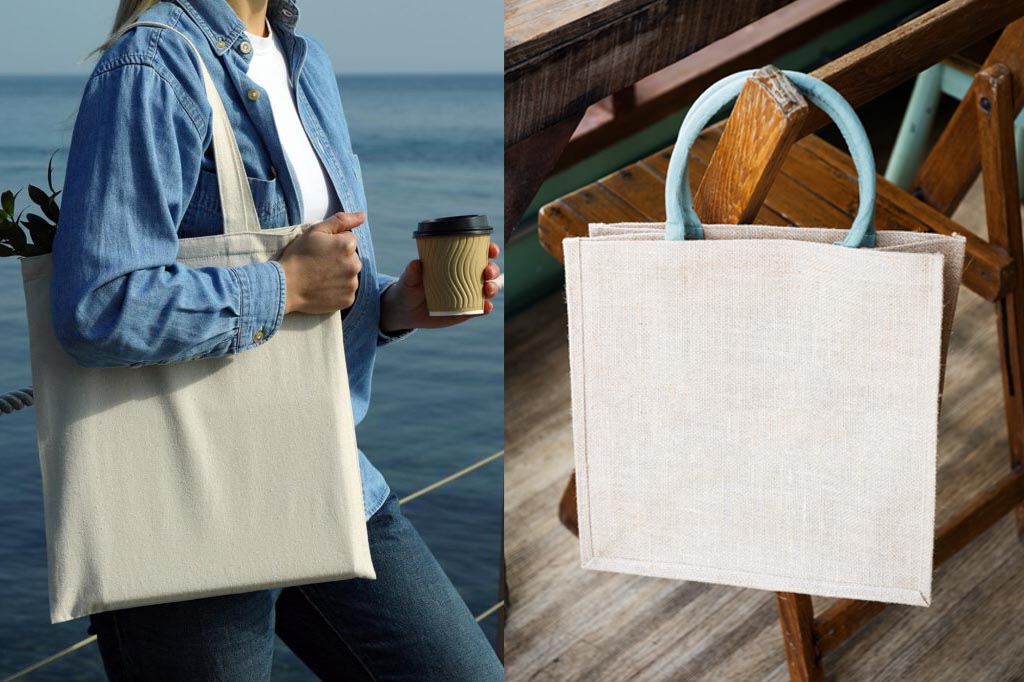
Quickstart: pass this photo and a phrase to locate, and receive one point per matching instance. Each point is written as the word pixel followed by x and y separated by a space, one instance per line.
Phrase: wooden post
pixel 528 163
pixel 994 110
pixel 765 122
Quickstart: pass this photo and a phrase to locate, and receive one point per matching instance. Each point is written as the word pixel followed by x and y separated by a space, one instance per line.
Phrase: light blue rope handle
pixel 682 221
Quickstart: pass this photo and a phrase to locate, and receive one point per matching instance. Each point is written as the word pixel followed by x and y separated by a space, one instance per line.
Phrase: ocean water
pixel 428 146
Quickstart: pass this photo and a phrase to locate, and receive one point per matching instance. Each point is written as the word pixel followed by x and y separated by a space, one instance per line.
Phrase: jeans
pixel 408 624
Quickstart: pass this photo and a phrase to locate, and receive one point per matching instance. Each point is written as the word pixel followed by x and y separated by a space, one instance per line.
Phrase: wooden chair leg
pixel 796 617
pixel 995 114
pixel 567 513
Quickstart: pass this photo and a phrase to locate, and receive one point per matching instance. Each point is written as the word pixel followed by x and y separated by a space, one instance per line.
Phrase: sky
pixel 362 36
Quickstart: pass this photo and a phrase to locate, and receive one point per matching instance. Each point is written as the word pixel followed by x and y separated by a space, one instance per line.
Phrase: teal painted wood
pixel 682 221
pixel 909 150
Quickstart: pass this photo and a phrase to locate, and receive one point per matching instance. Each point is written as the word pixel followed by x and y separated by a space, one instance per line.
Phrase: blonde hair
pixel 127 12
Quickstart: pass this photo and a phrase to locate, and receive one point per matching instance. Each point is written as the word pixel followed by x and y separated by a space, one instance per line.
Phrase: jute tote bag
pixel 221 475
pixel 757 406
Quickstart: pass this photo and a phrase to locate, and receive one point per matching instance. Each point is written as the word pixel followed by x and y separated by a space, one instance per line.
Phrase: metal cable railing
pixel 17 400
pixel 92 638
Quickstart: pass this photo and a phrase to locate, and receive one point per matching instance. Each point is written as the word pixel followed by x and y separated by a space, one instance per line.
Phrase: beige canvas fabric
pixel 172 482
pixel 760 408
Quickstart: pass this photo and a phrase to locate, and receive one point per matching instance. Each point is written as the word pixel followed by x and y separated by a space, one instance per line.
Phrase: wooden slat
pixel 765 122
pixel 982 513
pixel 563 55
pixel 988 271
pixel 955 160
pixel 677 85
pixel 882 64
pixel 643 183
pixel 816 188
pixel 570 215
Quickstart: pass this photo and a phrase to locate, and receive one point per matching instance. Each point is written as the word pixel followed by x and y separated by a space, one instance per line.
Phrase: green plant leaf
pixel 7 201
pixel 52 211
pixel 37 195
pixel 12 234
pixel 42 232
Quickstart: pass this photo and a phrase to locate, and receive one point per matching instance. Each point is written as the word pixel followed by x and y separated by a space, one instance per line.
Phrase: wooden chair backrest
pixel 747 152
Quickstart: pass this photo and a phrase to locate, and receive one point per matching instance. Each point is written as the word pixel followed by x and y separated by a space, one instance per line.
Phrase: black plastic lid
pixel 456 224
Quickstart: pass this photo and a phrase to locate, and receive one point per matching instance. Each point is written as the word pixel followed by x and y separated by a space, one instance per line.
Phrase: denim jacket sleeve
pixel 384 338
pixel 119 298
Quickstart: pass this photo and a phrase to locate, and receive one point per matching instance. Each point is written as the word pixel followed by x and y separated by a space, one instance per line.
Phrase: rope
pixel 408 498
pixel 449 479
pixel 16 400
pixel 491 611
pixel 50 659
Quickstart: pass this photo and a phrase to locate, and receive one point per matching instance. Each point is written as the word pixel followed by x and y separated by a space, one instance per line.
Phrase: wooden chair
pixel 755 168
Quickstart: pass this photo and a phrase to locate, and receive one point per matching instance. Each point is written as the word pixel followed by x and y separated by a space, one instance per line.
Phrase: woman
pixel 140 176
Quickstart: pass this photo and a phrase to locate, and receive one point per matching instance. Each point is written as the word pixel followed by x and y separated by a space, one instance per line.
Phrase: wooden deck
pixel 569 624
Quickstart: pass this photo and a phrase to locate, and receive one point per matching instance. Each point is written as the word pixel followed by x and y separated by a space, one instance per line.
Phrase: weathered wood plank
pixel 563 55
pixel 677 85
pixel 880 65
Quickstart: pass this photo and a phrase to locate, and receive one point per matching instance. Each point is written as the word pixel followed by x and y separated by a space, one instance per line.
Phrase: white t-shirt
pixel 270 71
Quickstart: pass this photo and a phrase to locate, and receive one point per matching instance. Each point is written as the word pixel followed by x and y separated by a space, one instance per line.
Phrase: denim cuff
pixel 384 338
pixel 262 288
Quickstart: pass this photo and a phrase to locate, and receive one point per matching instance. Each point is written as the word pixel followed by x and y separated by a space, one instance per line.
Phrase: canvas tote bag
pixel 757 406
pixel 221 475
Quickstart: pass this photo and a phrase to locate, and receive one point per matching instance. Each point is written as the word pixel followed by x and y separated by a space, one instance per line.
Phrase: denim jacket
pixel 141 175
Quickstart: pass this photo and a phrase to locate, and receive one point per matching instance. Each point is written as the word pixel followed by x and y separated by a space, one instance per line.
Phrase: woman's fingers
pixel 491 271
pixel 491 289
pixel 493 250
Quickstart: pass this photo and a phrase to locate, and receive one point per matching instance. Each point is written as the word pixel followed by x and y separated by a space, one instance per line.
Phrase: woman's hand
pixel 404 304
pixel 321 267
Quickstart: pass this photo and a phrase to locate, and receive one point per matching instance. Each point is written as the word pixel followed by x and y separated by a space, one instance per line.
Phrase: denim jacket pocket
pixel 203 215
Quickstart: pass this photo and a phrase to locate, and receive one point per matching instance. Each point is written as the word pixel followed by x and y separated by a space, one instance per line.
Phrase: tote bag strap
pixel 236 201
pixel 681 218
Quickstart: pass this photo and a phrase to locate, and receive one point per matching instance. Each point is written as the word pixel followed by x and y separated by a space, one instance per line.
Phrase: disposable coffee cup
pixel 453 251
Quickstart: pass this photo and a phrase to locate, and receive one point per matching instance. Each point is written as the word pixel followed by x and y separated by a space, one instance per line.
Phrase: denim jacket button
pixel 245 47
pixel 254 94
pixel 258 336
pixel 221 44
